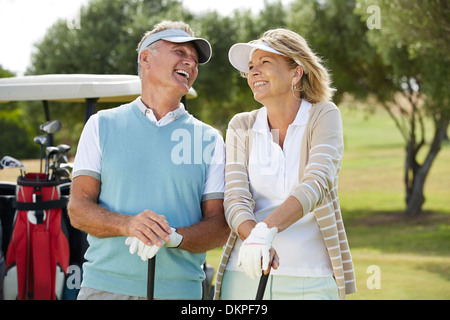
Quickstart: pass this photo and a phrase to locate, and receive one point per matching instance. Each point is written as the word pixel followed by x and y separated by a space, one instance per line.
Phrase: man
pixel 151 172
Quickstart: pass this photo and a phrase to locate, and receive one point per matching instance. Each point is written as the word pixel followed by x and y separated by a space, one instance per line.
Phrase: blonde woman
pixel 282 165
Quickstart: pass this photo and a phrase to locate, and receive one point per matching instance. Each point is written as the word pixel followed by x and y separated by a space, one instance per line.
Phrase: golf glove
pixel 254 254
pixel 147 252
pixel 144 251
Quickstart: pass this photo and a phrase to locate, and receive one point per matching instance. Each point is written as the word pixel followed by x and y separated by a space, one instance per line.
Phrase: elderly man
pixel 149 175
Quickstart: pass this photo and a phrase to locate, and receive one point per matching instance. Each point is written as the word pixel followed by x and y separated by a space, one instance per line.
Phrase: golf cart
pixel 88 88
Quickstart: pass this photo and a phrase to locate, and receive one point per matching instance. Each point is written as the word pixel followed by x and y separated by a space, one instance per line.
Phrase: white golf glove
pixel 147 252
pixel 144 251
pixel 254 254
pixel 175 239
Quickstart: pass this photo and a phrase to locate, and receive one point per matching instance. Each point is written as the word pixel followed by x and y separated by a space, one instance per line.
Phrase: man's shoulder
pixel 112 112
pixel 191 120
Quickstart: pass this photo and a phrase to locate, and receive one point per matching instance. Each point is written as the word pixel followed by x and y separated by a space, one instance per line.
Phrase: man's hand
pixel 150 227
pixel 255 254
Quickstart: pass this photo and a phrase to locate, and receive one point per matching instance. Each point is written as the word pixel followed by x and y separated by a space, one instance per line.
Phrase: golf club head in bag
pixel 50 152
pixel 63 148
pixel 8 162
pixel 43 142
pixel 58 156
pixel 51 127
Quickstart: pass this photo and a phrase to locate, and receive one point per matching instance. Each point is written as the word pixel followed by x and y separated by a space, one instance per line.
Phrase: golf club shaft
pixel 151 278
pixel 262 286
pixel 42 154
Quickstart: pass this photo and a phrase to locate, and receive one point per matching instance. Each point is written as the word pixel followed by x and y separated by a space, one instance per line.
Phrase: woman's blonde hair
pixel 315 85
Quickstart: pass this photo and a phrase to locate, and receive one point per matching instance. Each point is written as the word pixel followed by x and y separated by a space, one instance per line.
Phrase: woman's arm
pixel 320 175
pixel 238 201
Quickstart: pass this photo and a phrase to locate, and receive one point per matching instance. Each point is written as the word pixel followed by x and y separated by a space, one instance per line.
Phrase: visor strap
pixel 160 35
pixel 264 44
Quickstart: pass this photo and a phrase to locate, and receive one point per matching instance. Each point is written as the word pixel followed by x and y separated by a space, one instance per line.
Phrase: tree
pixel 215 84
pixel 414 40
pixel 222 91
pixel 16 134
pixel 338 36
pixel 106 40
pixel 105 43
pixel 395 59
pixel 401 59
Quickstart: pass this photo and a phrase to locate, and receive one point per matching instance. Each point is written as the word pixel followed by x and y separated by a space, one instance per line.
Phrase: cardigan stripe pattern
pixel 320 162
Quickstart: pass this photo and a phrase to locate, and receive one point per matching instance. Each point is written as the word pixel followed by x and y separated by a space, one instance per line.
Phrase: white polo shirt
pixel 273 173
pixel 89 155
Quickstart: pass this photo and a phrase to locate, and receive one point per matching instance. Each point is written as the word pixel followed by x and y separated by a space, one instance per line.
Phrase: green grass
pixel 412 253
pixel 402 276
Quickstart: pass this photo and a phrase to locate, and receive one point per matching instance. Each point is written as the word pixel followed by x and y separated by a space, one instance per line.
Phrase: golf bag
pixel 38 253
pixel 7 202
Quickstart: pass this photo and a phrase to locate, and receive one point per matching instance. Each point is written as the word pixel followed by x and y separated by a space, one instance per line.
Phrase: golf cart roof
pixel 73 87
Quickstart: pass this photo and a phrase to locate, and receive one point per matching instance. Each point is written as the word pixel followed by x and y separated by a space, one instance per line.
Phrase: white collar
pixel 168 118
pixel 262 125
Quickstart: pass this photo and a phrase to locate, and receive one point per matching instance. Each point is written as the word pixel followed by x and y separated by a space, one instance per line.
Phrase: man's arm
pixel 210 233
pixel 87 215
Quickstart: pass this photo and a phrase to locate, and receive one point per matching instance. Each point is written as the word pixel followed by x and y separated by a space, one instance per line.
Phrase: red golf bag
pixel 38 254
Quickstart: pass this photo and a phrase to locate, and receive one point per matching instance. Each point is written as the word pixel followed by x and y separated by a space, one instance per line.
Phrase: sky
pixel 25 22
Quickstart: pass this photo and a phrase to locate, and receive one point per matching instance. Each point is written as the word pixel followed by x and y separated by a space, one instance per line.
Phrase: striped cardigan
pixel 320 161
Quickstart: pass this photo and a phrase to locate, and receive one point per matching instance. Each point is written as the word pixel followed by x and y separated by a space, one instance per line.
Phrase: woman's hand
pixel 256 254
pixel 274 261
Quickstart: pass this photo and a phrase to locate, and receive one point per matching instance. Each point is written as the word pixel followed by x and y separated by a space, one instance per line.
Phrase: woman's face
pixel 269 77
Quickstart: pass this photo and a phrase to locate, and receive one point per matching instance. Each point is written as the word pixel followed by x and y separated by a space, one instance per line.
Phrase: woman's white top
pixel 273 173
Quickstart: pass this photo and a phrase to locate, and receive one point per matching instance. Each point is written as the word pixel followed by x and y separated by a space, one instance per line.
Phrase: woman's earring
pixel 294 89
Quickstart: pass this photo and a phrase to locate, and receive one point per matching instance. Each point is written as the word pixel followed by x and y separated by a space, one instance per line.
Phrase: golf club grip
pixel 151 278
pixel 262 286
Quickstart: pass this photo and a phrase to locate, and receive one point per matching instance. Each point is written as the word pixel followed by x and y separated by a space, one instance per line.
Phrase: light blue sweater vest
pixel 149 167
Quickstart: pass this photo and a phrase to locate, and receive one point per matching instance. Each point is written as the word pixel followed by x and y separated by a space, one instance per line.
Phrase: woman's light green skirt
pixel 238 286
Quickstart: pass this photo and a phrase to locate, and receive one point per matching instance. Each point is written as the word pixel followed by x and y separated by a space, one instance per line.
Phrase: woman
pixel 282 171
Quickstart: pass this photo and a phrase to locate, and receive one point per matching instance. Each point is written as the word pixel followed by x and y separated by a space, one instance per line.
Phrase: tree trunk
pixel 415 196
pixel 445 137
pixel 414 182
pixel 415 174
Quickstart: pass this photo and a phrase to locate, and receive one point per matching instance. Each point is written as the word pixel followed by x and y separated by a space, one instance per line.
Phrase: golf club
pixel 58 158
pixel 42 141
pixel 62 172
pixel 69 166
pixel 10 162
pixel 50 127
pixel 63 148
pixel 151 278
pixel 262 286
pixel 50 151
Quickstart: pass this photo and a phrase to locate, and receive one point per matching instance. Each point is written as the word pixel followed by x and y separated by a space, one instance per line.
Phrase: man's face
pixel 174 66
